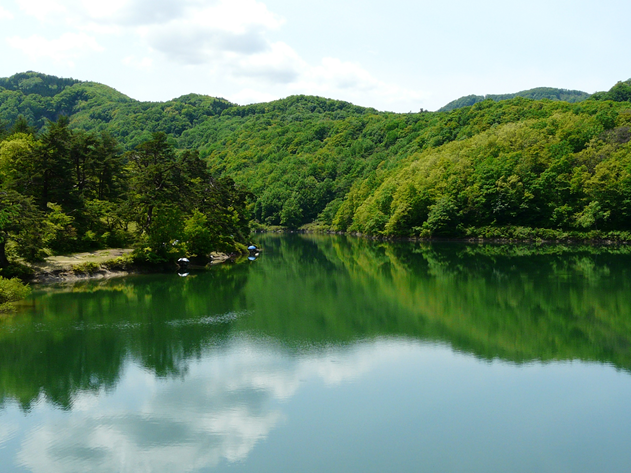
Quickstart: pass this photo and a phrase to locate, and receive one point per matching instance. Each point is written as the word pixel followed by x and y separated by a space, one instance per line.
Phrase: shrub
pixel 12 290
pixel 86 268
pixel 121 263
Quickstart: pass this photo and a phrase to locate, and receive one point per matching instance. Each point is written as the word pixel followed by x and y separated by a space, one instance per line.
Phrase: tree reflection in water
pixel 197 368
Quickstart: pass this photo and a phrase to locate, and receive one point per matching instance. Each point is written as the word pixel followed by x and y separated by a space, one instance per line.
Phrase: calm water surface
pixel 329 354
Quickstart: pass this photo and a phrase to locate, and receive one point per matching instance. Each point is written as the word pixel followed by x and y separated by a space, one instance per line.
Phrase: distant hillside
pixel 36 83
pixel 516 162
pixel 621 92
pixel 39 97
pixel 538 93
pixel 96 107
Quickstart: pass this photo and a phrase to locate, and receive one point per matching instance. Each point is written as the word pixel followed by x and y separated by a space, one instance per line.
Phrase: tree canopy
pixel 538 93
pixel 66 190
pixel 505 168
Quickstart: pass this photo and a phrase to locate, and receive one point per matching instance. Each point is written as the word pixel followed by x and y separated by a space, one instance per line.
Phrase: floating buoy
pixel 183 265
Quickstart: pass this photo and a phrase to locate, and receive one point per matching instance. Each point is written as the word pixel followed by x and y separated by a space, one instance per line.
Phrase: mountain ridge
pixel 538 93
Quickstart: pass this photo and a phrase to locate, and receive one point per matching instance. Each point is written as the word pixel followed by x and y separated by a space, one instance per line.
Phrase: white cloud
pixel 225 406
pixel 236 16
pixel 341 75
pixel 42 9
pixel 248 95
pixel 143 64
pixel 222 31
pixel 7 431
pixel 5 14
pixel 331 78
pixel 279 64
pixel 66 48
pixel 132 12
pixel 126 12
pixel 350 81
pixel 282 67
pixel 227 41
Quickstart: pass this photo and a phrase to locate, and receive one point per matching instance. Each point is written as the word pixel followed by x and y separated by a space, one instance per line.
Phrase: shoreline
pixel 71 276
pixel 468 239
pixel 78 267
pixel 92 266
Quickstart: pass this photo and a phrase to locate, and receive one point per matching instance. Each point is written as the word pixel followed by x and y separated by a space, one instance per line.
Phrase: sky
pixel 399 55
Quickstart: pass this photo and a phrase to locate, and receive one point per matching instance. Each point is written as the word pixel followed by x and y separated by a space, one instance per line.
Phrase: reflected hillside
pixel 305 293
pixel 519 303
pixel 78 338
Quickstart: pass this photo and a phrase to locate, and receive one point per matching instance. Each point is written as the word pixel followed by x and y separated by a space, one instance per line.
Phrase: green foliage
pixel 86 268
pixel 108 225
pixel 12 290
pixel 178 206
pixel 568 170
pixel 154 185
pixel 20 223
pixel 197 234
pixel 68 190
pixel 519 233
pixel 591 215
pixel 56 181
pixel 441 218
pixel 517 162
pixel 60 235
pixel 621 92
pixel 34 83
pixel 95 107
pixel 539 93
pixel 296 178
pixel 120 263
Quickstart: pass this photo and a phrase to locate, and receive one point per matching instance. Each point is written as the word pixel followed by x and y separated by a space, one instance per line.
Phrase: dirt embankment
pixel 101 264
pixel 94 264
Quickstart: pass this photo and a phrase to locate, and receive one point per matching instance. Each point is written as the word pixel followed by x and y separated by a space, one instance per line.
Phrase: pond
pixel 329 353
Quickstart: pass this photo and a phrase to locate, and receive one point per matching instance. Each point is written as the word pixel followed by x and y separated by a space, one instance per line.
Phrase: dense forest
pixel 64 190
pixel 519 168
pixel 538 93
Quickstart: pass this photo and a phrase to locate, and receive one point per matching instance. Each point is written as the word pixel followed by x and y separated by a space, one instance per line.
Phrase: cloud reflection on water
pixel 228 401
pixel 7 431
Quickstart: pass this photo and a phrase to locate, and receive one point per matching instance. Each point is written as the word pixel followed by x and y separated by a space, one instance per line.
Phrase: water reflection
pixel 517 303
pixel 250 405
pixel 169 373
pixel 227 402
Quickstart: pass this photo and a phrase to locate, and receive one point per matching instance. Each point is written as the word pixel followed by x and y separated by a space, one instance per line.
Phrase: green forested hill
pixel 30 83
pixel 492 169
pixel 97 107
pixel 540 165
pixel 618 92
pixel 39 98
pixel 507 163
pixel 538 93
